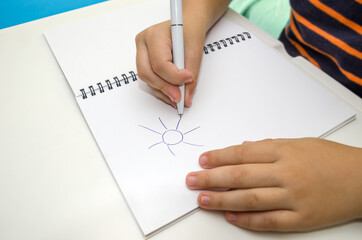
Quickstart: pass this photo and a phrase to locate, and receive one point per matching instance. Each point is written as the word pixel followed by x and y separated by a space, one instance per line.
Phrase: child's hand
pixel 155 67
pixel 282 184
pixel 154 55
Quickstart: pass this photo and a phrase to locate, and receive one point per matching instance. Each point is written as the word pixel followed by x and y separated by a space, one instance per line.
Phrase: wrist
pixel 198 17
pixel 203 13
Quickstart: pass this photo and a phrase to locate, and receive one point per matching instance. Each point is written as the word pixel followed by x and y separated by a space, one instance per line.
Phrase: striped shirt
pixel 328 33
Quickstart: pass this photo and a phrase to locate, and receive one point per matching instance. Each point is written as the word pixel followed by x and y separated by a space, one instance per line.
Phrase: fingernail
pixel 231 217
pixel 174 105
pixel 172 98
pixel 203 160
pixel 205 200
pixel 191 181
pixel 189 80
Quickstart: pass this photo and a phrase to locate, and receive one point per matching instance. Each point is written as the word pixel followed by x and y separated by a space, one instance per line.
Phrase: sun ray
pixel 155 144
pixel 178 122
pixel 191 130
pixel 162 123
pixel 197 145
pixel 168 146
pixel 150 129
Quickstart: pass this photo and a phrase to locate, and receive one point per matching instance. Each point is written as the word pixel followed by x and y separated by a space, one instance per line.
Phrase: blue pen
pixel 178 45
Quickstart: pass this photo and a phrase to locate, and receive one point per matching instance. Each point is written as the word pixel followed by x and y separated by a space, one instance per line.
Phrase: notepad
pixel 246 91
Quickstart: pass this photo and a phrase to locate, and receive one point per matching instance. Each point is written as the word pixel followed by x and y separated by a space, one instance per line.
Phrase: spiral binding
pixel 108 84
pixel 211 47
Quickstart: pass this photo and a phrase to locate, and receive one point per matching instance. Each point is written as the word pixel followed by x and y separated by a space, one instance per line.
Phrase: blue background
pixel 13 12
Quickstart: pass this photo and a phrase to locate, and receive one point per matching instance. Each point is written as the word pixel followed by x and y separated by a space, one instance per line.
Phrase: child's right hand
pixel 154 51
pixel 155 67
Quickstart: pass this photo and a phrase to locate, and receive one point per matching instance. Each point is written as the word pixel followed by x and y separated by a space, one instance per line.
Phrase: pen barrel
pixel 176 12
pixel 178 47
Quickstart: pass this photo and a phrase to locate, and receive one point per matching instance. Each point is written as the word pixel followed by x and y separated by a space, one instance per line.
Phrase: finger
pixel 278 220
pixel 160 56
pixel 250 152
pixel 193 55
pixel 238 176
pixel 146 74
pixel 256 199
pixel 189 93
pixel 163 97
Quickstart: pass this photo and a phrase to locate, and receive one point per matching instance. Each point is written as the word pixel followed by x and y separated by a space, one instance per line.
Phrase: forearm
pixel 198 17
pixel 355 173
pixel 203 14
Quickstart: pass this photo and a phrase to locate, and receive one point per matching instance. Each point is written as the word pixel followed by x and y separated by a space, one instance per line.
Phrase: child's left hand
pixel 282 184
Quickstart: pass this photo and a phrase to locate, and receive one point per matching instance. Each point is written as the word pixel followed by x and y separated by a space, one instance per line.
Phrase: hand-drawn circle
pixel 172 137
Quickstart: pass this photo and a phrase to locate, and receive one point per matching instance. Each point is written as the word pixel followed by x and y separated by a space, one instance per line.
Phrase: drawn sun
pixel 170 136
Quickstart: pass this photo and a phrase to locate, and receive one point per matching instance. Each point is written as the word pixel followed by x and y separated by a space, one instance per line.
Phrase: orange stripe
pixel 301 49
pixel 349 75
pixel 336 15
pixel 342 45
pixel 359 1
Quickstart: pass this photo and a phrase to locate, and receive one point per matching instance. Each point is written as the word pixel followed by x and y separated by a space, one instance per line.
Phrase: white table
pixel 54 183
